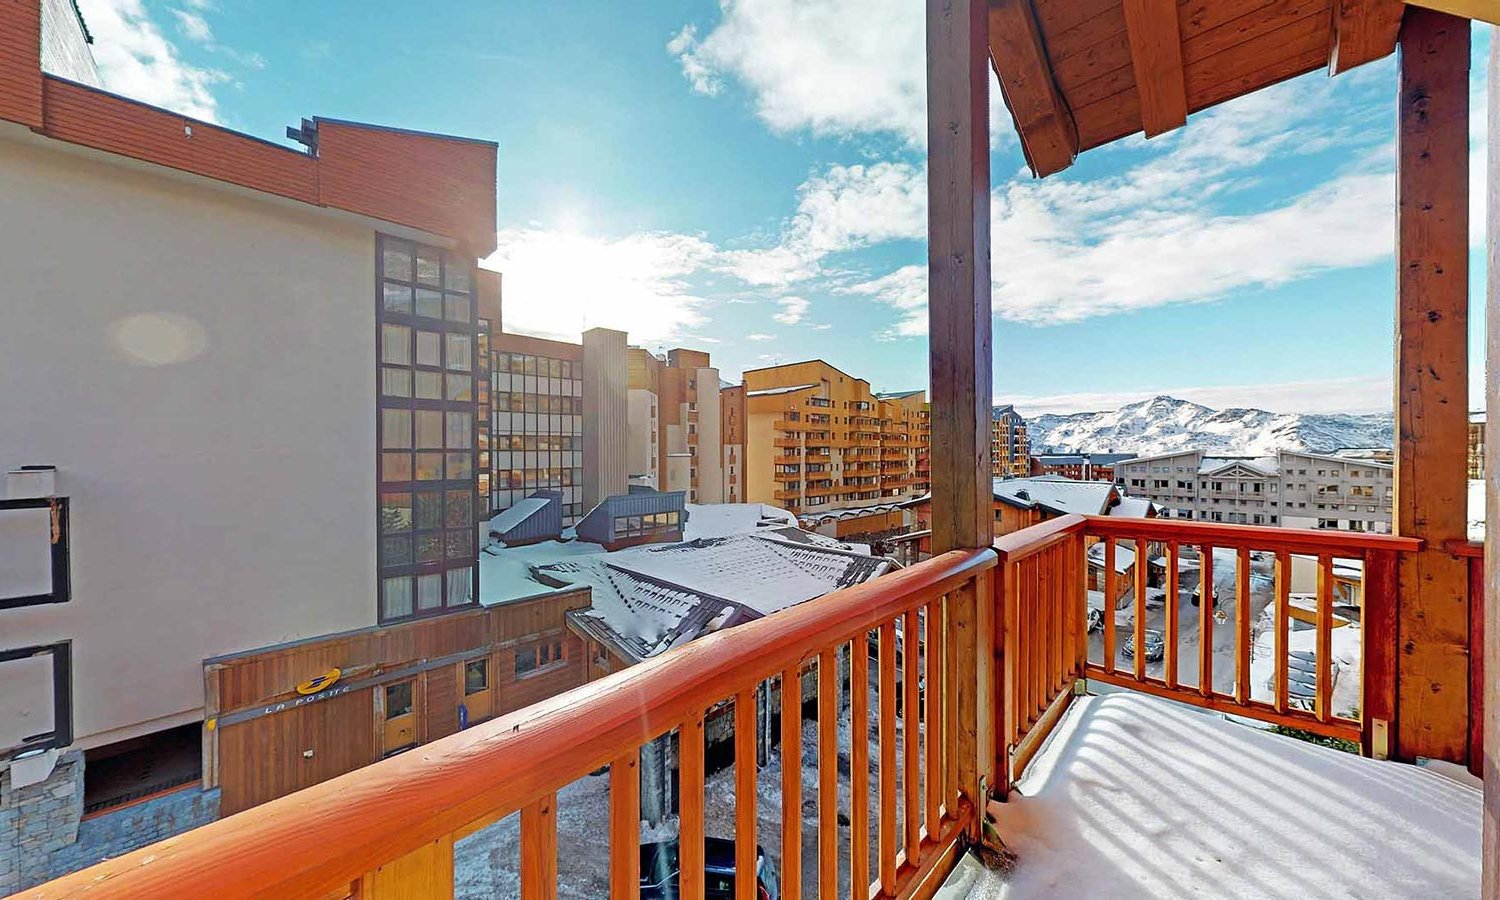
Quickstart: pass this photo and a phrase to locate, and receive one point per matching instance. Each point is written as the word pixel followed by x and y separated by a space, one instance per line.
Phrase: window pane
pixel 429 428
pixel 398 700
pixel 428 510
pixel 429 591
pixel 430 547
pixel 429 385
pixel 428 271
pixel 460 543
pixel 395 466
pixel 429 349
pixel 476 676
pixel 460 430
pixel 460 388
pixel 395 512
pixel 429 303
pixel 397 298
pixel 456 307
pixel 395 550
pixel 456 275
pixel 460 587
pixel 460 352
pixel 395 597
pixel 429 466
pixel 460 465
pixel 395 428
pixel 395 382
pixel 395 344
pixel 460 510
pixel 397 262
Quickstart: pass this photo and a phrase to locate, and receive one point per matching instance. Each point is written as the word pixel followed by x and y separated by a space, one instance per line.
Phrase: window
pixel 398 699
pixel 36 711
pixel 430 438
pixel 538 656
pixel 34 532
pixel 476 676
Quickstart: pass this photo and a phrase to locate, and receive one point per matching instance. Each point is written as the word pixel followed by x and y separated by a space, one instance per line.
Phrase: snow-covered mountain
pixel 1164 424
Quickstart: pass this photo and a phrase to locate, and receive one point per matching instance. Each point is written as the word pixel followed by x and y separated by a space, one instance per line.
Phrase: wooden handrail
pixel 1470 549
pixel 1257 537
pixel 317 841
pixel 1018 545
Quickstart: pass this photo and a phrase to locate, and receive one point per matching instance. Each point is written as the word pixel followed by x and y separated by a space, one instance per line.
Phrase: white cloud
pixel 793 310
pixel 136 60
pixel 760 337
pixel 904 289
pixel 193 26
pixel 1325 396
pixel 834 67
pixel 558 283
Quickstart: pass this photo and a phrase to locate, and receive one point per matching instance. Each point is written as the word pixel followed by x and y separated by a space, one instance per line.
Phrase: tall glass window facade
pixel 428 430
pixel 538 431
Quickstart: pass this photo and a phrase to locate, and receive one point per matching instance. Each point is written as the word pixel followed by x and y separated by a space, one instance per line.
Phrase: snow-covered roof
pixel 1124 556
pixel 767 392
pixel 1476 510
pixel 518 513
pixel 721 519
pixel 1055 493
pixel 1133 507
pixel 648 599
pixel 852 512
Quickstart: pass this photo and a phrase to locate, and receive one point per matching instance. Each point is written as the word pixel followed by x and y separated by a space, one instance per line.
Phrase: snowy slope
pixel 1164 424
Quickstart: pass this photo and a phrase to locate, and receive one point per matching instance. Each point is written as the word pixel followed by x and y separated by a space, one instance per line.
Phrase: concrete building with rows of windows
pixel 1292 489
pixel 675 424
pixel 1010 446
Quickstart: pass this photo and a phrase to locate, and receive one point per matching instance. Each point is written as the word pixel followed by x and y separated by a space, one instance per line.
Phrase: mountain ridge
pixel 1166 424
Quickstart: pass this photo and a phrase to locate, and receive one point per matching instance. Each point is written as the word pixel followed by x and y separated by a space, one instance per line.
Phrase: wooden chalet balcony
pixel 388 830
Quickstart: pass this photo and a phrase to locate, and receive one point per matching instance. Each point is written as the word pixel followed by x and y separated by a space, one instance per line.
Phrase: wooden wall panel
pixel 441 708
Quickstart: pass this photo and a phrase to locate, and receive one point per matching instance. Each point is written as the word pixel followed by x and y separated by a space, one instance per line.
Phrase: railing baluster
pixel 745 836
pixel 1324 655
pixel 911 731
pixel 791 783
pixel 1035 638
pixel 1140 609
pixel 625 825
pixel 859 762
pixel 887 842
pixel 1174 597
pixel 1206 620
pixel 1015 669
pixel 1070 608
pixel 1242 627
pixel 1056 615
pixel 539 850
pixel 950 702
pixel 424 872
pixel 1283 629
pixel 690 808
pixel 828 774
pixel 932 707
pixel 1109 605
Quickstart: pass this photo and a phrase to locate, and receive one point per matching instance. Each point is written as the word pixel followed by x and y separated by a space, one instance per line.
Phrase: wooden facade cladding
pixel 20 62
pixel 264 739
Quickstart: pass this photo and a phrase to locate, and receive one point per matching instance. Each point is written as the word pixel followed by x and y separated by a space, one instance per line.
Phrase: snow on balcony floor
pixel 1137 797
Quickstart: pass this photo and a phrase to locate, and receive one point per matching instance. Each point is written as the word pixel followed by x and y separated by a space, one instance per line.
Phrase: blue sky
pixel 747 177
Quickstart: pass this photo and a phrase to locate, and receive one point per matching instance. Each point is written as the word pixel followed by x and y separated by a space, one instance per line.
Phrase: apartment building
pixel 1079 466
pixel 732 438
pixel 1476 445
pixel 1292 489
pixel 1010 447
pixel 558 420
pixel 818 441
pixel 675 423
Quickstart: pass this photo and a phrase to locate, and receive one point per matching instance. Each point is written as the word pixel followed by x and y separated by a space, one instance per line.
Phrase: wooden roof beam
pixel 1049 136
pixel 1156 57
pixel 1363 31
pixel 1479 10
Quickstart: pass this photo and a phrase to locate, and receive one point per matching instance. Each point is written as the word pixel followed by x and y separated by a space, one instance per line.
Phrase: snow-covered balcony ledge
pixel 1133 796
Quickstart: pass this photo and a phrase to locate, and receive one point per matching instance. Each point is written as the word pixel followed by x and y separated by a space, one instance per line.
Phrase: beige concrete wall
pixel 605 415
pixel 641 455
pixel 710 462
pixel 200 367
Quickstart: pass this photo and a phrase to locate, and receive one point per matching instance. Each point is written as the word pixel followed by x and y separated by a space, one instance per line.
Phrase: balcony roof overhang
pixel 1079 74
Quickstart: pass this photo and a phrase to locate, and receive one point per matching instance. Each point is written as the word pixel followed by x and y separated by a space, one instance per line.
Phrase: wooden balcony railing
pixel 1042 596
pixel 1473 551
pixel 388 830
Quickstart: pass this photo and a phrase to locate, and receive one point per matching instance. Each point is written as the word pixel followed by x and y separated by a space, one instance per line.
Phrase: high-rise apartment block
pixel 816 439
pixel 1010 447
pixel 675 424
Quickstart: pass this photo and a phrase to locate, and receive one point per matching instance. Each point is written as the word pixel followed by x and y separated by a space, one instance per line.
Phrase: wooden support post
pixel 958 241
pixel 1432 383
pixel 1490 880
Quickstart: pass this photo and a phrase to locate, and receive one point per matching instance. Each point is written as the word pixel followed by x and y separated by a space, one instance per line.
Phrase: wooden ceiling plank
pixel 1481 10
pixel 1201 43
pixel 1049 136
pixel 1156 56
pixel 1363 31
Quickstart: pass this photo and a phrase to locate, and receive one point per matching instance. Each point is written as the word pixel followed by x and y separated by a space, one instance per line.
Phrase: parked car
pixel 660 869
pixel 1095 619
pixel 1156 645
